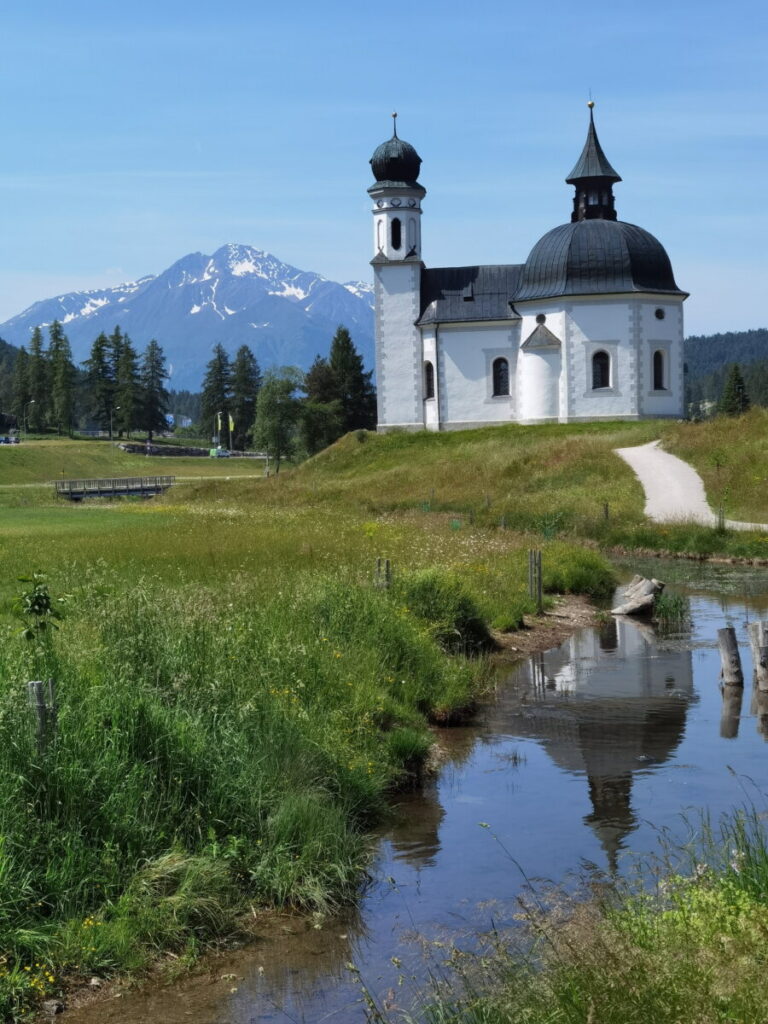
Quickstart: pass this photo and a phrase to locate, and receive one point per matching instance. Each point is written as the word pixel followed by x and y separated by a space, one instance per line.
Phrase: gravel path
pixel 674 491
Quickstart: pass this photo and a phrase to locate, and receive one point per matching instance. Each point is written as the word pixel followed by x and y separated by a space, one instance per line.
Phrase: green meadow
pixel 236 698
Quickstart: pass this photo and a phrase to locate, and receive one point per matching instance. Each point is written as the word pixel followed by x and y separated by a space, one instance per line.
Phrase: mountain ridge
pixel 237 295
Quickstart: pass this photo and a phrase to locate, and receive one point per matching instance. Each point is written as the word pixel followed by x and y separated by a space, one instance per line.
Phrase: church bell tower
pixel 397 267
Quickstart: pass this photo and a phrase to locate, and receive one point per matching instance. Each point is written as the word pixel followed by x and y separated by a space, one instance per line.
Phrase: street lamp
pixel 116 409
pixel 24 416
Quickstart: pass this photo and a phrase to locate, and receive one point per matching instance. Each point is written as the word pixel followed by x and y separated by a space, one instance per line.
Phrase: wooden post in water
pixel 729 656
pixel 729 720
pixel 758 642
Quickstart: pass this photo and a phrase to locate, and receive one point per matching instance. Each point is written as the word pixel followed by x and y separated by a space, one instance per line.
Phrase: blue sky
pixel 133 135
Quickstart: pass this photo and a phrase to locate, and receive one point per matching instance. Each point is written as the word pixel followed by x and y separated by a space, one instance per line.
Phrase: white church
pixel 590 327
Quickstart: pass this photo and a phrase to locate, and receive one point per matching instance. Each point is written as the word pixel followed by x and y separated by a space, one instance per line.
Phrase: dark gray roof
pixel 460 294
pixel 593 163
pixel 593 257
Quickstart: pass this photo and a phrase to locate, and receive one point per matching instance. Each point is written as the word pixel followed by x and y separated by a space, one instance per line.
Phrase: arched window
pixel 500 377
pixel 658 371
pixel 397 239
pixel 429 380
pixel 601 370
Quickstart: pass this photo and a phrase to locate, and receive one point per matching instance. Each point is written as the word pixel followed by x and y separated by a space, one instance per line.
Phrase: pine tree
pixel 217 391
pixel 20 386
pixel 246 381
pixel 735 400
pixel 38 383
pixel 277 412
pixel 322 415
pixel 355 390
pixel 127 408
pixel 154 396
pixel 100 383
pixel 62 373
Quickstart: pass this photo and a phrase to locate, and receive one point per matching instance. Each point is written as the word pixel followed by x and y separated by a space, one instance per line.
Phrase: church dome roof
pixel 594 257
pixel 396 162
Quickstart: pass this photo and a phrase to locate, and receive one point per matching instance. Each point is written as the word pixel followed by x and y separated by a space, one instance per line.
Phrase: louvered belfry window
pixel 500 377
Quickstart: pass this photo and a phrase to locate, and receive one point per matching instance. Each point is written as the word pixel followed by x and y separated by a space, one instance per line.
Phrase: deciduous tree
pixel 277 413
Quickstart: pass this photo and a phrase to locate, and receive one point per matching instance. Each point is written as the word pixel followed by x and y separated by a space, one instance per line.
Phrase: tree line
pixel 286 411
pixel 117 389
pixel 121 391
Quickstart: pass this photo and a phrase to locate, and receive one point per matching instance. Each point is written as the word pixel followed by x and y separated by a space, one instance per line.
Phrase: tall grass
pixel 210 748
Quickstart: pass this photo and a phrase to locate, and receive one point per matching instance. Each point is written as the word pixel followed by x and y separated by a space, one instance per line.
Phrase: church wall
pixel 399 371
pixel 465 361
pixel 666 336
pixel 607 325
pixel 432 405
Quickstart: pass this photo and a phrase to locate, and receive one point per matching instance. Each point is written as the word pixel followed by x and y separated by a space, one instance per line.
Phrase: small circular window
pixel 541 319
pixel 660 314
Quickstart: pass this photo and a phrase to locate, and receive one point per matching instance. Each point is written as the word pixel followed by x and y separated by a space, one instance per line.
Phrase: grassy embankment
pixel 691 950
pixel 236 700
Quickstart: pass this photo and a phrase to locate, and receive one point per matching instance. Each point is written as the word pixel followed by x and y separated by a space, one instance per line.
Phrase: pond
pixel 585 753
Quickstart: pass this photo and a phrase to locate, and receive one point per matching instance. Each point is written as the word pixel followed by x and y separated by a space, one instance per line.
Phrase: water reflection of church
pixel 606 704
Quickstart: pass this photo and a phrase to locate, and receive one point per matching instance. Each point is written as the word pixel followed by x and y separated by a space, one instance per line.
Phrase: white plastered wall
pixel 465 355
pixel 399 375
pixel 666 336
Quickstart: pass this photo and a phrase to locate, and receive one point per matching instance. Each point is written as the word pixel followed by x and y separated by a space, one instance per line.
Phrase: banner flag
pixel 231 424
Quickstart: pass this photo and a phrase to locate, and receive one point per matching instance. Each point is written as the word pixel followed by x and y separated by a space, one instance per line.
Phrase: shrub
pixel 439 598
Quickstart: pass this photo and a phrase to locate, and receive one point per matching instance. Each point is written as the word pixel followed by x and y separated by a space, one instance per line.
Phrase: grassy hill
pixel 42 461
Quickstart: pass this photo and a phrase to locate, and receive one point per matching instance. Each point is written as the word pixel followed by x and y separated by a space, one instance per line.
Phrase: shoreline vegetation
pixel 236 698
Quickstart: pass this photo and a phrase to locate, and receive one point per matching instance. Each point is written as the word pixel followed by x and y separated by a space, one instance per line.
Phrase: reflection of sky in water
pixel 587 751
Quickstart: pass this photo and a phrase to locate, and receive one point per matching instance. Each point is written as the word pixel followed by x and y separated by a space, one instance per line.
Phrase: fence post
pixel 535 584
pixel 45 711
pixel 606 511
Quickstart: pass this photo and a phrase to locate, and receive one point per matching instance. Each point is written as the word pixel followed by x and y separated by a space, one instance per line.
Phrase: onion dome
pixel 396 162
pixel 596 257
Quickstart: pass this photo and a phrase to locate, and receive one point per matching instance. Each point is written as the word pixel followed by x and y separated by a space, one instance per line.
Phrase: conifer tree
pixel 246 381
pixel 100 383
pixel 154 396
pixel 354 388
pixel 127 408
pixel 62 378
pixel 37 383
pixel 322 416
pixel 20 385
pixel 735 400
pixel 217 391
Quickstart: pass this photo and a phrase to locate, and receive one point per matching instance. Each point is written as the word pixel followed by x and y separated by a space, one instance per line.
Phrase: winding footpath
pixel 674 491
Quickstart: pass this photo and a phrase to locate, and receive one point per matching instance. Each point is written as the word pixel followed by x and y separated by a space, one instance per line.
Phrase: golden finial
pixel 591 104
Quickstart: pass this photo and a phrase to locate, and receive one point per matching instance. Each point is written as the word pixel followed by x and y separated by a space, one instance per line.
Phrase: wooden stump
pixel 729 656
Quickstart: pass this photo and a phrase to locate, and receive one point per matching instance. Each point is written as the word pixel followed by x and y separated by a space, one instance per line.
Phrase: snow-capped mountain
pixel 239 295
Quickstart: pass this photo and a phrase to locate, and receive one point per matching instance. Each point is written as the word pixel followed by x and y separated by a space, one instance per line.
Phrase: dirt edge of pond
pixel 542 632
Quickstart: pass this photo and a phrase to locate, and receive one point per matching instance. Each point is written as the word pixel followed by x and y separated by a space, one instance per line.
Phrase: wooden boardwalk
pixel 145 486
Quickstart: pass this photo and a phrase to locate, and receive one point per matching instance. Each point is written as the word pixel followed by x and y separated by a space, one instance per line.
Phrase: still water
pixel 586 752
